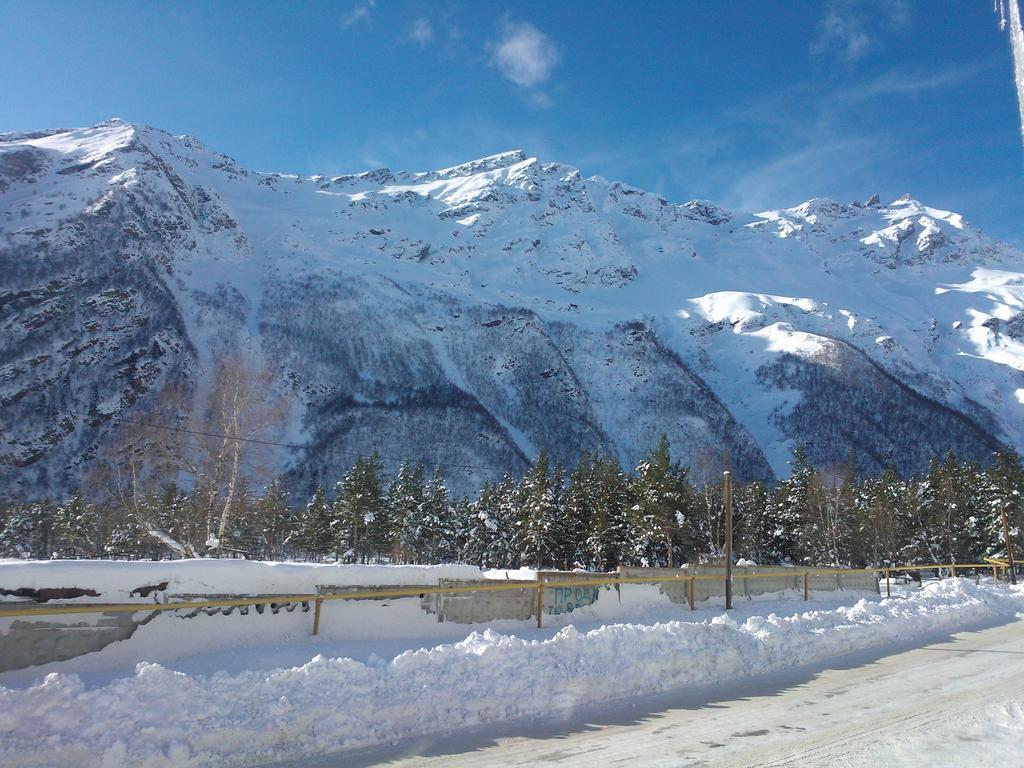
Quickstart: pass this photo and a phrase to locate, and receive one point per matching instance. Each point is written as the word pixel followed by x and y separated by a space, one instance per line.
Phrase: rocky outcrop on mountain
pixel 472 316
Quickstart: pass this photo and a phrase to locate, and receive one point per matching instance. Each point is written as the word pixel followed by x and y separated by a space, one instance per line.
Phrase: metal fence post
pixel 316 615
pixel 807 586
pixel 727 491
pixel 1009 547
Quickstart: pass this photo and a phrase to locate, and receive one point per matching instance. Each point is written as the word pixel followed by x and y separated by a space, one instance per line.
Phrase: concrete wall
pixel 558 600
pixel 769 579
pixel 518 602
pixel 677 591
pixel 40 640
pixel 37 641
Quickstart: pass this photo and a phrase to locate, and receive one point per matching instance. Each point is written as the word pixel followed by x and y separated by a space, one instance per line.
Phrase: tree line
pixel 597 516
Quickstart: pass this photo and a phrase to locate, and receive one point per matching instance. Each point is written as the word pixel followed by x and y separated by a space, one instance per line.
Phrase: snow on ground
pixel 114 580
pixel 999 727
pixel 949 702
pixel 160 717
pixel 919 292
pixel 522 574
pixel 362 630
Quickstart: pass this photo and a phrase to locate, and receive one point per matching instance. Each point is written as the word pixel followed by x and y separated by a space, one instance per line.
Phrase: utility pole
pixel 1006 541
pixel 727 490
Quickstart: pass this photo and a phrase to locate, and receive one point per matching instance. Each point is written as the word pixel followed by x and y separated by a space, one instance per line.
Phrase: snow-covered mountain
pixel 477 314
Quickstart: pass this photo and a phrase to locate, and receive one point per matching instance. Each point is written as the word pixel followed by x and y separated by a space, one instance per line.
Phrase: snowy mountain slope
pixel 477 314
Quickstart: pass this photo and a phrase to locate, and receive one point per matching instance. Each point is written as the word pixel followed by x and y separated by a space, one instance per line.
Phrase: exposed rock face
pixel 472 316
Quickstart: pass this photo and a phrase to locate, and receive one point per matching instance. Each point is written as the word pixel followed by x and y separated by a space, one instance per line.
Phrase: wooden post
pixel 1009 546
pixel 888 590
pixel 693 593
pixel 727 490
pixel 540 602
pixel 952 570
pixel 995 575
pixel 316 615
pixel 807 586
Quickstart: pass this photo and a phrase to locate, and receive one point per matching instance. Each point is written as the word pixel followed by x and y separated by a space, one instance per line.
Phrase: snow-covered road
pixel 952 703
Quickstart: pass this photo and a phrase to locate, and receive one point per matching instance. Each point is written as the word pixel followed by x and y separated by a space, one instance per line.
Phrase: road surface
pixel 956 702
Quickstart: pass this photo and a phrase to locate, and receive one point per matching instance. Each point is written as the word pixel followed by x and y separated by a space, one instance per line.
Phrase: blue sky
pixel 750 104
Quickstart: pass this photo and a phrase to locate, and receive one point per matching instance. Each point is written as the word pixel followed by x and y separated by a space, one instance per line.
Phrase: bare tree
pixel 825 535
pixel 209 437
pixel 236 416
pixel 143 454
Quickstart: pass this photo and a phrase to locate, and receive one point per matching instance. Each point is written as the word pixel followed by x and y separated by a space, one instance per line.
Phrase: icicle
pixel 1017 40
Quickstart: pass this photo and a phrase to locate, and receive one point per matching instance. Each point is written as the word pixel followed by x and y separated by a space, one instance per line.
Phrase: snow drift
pixel 116 580
pixel 164 719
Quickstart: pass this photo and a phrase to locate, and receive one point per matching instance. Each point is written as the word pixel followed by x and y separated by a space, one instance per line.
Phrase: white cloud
pixel 539 99
pixel 851 27
pixel 845 30
pixel 524 54
pixel 899 13
pixel 422 31
pixel 914 82
pixel 360 13
pixel 818 170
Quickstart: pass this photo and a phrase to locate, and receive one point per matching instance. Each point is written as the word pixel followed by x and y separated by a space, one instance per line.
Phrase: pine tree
pixel 359 523
pixel 76 528
pixel 539 497
pixel 463 527
pixel 488 530
pixel 999 493
pixel 578 509
pixel 273 519
pixel 753 532
pixel 28 531
pixel 177 518
pixel 243 534
pixel 825 531
pixel 428 530
pixel 439 531
pixel 948 505
pixel 125 538
pixel 789 507
pixel 707 522
pixel 505 548
pixel 405 505
pixel 608 532
pixel 313 534
pixel 657 517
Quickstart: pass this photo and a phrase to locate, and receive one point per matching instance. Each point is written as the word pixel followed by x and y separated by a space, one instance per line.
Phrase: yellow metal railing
pixel 522 586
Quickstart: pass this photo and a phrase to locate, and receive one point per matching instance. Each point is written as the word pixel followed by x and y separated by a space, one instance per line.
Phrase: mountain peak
pixel 485 164
pixel 478 314
pixel 83 145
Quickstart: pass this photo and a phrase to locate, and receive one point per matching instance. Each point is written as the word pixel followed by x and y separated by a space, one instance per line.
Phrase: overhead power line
pixel 257 441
